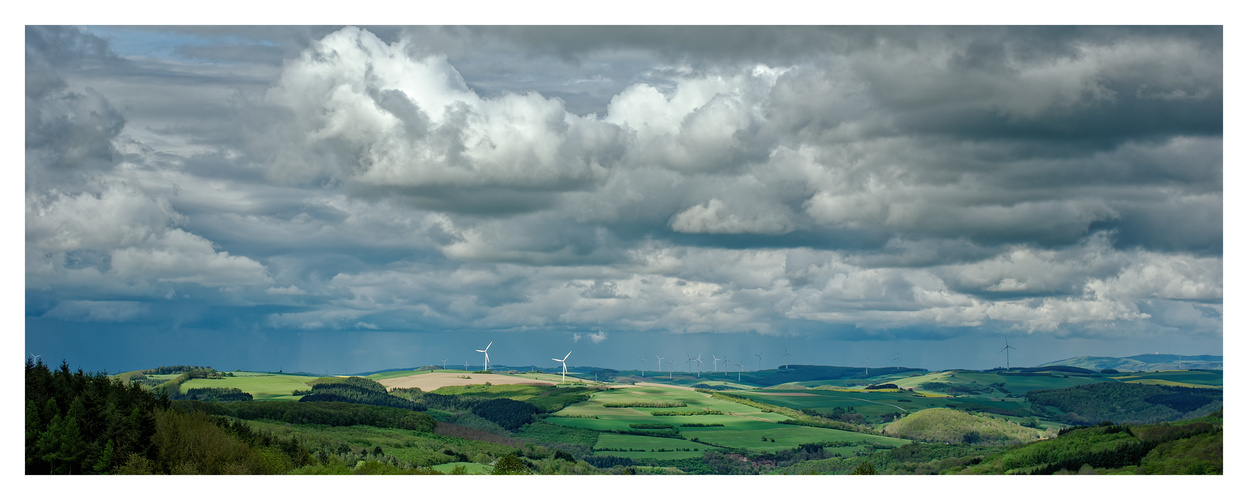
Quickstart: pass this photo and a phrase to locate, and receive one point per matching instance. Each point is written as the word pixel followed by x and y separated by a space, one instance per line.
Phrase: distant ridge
pixel 1143 362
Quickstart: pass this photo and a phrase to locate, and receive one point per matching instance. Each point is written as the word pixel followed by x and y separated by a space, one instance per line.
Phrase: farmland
pixel 468 421
pixel 738 426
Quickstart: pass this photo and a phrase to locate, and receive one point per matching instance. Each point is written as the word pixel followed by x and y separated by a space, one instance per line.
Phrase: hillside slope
pixel 1187 447
pixel 943 425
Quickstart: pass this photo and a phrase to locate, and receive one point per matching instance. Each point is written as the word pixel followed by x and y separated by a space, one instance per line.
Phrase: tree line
pixel 357 390
pixel 79 423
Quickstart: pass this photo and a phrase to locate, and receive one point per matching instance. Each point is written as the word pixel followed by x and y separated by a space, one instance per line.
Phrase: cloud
pixel 121 239
pixel 596 338
pixel 715 218
pixel 389 124
pixel 846 182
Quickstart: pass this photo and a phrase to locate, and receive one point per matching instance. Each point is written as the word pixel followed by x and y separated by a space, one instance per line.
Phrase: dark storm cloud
pixel 66 128
pixel 1079 86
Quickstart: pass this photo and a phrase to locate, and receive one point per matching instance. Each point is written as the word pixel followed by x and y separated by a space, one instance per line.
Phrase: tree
pixel 510 464
pixel 62 445
pixel 864 469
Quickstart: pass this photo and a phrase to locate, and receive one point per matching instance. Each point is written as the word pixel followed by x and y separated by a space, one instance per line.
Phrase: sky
pixel 350 199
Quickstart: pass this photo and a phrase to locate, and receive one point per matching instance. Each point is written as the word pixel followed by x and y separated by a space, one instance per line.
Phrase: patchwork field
pixel 710 421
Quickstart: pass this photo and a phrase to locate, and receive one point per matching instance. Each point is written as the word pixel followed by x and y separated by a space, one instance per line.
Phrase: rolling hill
pixel 1143 362
pixel 944 425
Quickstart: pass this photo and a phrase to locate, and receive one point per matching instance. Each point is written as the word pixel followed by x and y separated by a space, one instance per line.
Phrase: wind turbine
pixel 643 366
pixel 786 358
pixel 669 369
pixel 726 365
pixel 739 365
pixel 688 363
pixel 443 363
pixel 486 351
pixel 866 364
pixel 36 357
pixel 565 365
pixel 715 365
pixel 760 361
pixel 661 364
pixel 898 360
pixel 1007 354
pixel 699 360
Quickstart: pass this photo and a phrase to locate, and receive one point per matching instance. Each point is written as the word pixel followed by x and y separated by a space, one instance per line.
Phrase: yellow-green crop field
pixel 261 386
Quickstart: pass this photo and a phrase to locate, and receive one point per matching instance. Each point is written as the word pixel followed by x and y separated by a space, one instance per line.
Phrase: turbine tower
pixel 760 361
pixel 643 366
pixel 866 364
pixel 699 360
pixel 486 351
pixel 739 369
pixel 565 364
pixel 669 369
pixel 660 363
pixel 1007 354
pixel 715 365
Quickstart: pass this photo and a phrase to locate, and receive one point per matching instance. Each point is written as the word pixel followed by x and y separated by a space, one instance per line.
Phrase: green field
pixel 870 404
pixel 749 435
pixel 1186 378
pixel 1014 383
pixel 741 426
pixel 632 446
pixel 261 386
